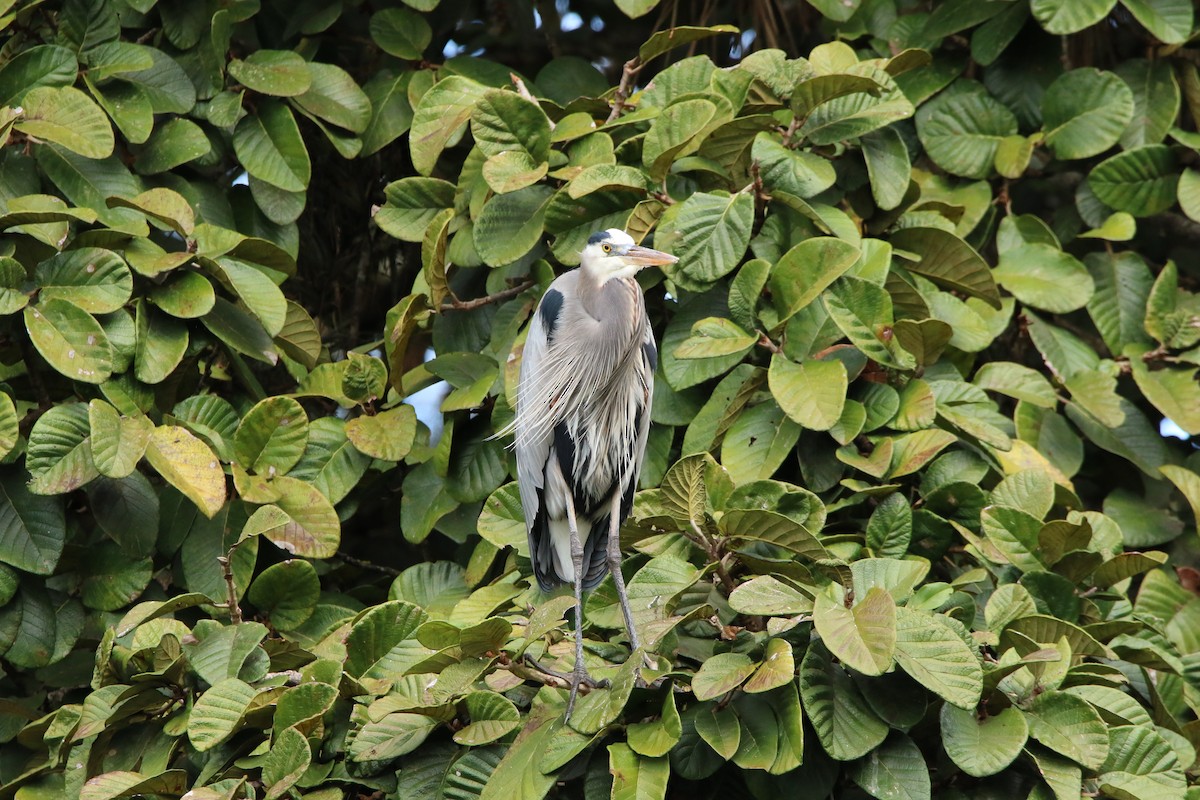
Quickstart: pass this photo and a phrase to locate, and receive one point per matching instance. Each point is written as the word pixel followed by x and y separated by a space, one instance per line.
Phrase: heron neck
pixel 604 297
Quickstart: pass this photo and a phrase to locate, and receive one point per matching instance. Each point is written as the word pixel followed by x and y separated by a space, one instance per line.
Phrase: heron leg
pixel 614 566
pixel 579 673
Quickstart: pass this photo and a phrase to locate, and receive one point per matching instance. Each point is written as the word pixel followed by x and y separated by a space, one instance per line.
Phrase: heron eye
pixel 606 248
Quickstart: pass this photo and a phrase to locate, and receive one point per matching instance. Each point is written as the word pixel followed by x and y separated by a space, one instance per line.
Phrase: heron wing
pixel 532 445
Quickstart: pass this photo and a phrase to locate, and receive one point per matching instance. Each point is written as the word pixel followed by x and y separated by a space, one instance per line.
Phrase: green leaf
pixel 186 295
pixel 1170 21
pixel 930 648
pixel 853 115
pixel 1173 390
pixel 657 737
pixel 712 232
pixel 502 522
pixel 504 121
pixel 806 270
pixel 401 33
pixel 111 580
pixel 335 98
pixel 1141 181
pixel 388 435
pixel 721 674
pixel 1118 306
pixel 301 521
pixel 758 442
pixel 845 725
pixel 219 712
pixel 12 283
pixel 96 280
pixel 888 167
pixel 889 531
pixel 287 593
pixel 601 177
pixel 1069 16
pixel 269 145
pixel 1170 312
pixel 176 142
pixel 164 205
pixel 70 340
pixel 442 112
pixel 165 83
pixel 948 261
pixel 161 344
pixel 378 631
pixel 1044 277
pixel 518 773
pixel 1085 111
pixel 279 73
pixel 774 528
pixel 895 770
pixel 285 762
pixel 1188 193
pixel 492 716
pixel 862 637
pixel 67 117
pixel 863 311
pixel 111 785
pixel 1141 764
pixel 390 737
pixel 1069 725
pixel 982 746
pixel 601 707
pixel 667 40
pixel 117 442
pixel 271 437
pixel 812 393
pixel 189 465
pixel 43 65
pixel 1155 98
pixel 1187 482
pixel 778 668
pixel 32 528
pixel 391 111
pixel 961 131
pixel 714 336
pixel 675 133
pixel 793 171
pixel 511 224
pixel 411 204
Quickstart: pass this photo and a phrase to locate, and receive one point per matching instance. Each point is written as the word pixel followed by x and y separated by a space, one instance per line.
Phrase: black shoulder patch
pixel 550 308
pixel 650 353
pixel 598 236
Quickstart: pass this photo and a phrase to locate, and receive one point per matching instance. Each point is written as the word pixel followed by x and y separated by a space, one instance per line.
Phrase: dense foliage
pixel 908 525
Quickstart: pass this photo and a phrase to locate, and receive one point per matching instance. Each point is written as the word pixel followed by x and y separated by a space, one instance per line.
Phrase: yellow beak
pixel 645 257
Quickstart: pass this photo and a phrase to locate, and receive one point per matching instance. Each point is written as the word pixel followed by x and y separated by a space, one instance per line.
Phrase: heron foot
pixel 580 677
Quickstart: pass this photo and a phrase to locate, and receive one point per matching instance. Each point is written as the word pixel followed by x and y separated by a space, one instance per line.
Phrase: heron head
pixel 613 254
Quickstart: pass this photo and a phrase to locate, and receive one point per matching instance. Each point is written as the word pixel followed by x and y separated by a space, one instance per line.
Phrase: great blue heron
pixel 583 416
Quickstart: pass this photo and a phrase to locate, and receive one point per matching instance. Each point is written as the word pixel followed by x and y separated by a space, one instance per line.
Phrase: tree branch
pixel 498 297
pixel 358 562
pixel 632 67
pixel 231 603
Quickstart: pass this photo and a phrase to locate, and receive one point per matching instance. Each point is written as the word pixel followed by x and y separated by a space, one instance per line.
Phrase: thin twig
pixel 235 611
pixel 765 341
pixel 521 88
pixel 358 562
pixel 727 582
pixel 498 297
pixel 792 127
pixel 632 67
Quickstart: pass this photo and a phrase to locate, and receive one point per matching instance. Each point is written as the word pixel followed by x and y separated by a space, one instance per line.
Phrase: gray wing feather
pixel 533 440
